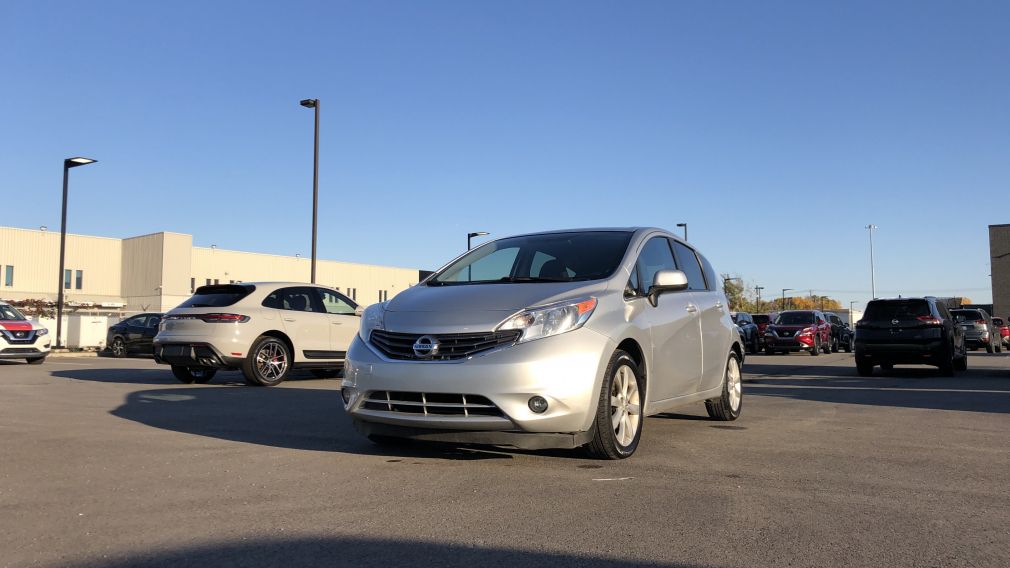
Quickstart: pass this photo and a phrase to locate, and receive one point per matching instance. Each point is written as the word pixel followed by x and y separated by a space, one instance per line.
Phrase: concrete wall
pixel 999 253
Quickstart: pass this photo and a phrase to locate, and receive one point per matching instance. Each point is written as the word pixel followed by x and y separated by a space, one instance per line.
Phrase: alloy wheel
pixel 271 361
pixel 625 406
pixel 734 384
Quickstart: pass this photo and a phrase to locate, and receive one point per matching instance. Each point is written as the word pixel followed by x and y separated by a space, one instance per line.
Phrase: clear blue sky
pixel 777 130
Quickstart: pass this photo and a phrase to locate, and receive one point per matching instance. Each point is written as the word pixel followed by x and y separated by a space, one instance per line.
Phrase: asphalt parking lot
pixel 108 462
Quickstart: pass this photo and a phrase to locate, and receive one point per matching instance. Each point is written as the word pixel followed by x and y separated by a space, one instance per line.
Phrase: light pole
pixel 758 289
pixel 685 229
pixel 469 237
pixel 784 290
pixel 67 164
pixel 873 274
pixel 314 104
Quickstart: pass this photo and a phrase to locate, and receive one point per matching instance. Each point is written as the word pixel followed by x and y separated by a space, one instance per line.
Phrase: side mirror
pixel 359 310
pixel 666 281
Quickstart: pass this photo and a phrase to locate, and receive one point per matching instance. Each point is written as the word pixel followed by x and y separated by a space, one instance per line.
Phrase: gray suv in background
pixel 558 339
pixel 979 330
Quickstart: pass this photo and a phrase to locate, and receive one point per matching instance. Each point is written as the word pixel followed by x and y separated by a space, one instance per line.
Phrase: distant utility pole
pixel 784 290
pixel 873 275
pixel 758 290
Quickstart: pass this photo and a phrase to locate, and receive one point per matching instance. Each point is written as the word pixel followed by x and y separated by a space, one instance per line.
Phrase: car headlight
pixel 41 331
pixel 552 319
pixel 372 318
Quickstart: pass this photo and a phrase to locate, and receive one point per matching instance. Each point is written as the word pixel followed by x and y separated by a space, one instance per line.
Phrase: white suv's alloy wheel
pixel 271 361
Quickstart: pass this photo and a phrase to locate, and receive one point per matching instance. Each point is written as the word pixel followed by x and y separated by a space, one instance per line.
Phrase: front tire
pixel 190 375
pixel 36 360
pixel 816 349
pixel 268 362
pixel 619 418
pixel 118 348
pixel 727 406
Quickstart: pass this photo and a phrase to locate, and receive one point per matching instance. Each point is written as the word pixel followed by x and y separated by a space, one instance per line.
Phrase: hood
pixel 474 307
pixel 16 325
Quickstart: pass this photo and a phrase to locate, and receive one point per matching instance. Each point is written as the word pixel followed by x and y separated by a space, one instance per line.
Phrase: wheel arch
pixel 283 337
pixel 632 347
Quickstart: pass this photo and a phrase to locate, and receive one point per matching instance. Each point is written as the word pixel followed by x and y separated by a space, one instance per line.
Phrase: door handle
pixel 336 323
pixel 691 308
pixel 290 319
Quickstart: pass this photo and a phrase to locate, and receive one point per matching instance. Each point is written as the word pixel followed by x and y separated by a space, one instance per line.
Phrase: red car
pixel 799 330
pixel 1004 330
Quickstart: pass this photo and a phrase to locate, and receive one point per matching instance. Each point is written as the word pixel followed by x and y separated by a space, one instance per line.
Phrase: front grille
pixel 26 337
pixel 451 346
pixel 786 333
pixel 430 404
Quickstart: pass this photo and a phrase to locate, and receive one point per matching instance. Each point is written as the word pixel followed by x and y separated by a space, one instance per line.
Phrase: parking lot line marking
pixel 613 479
pixel 894 389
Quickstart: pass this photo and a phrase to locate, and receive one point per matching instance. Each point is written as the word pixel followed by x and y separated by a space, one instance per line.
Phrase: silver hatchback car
pixel 560 339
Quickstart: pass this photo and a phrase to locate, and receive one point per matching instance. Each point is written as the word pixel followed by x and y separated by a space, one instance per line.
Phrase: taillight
pixel 929 320
pixel 980 322
pixel 211 318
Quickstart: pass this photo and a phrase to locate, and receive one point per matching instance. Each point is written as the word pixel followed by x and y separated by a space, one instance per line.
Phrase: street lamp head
pixel 78 161
pixel 681 224
pixel 477 234
pixel 309 103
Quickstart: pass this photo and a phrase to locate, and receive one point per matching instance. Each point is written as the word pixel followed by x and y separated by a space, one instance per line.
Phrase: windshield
pixel 555 257
pixel 795 318
pixel 10 313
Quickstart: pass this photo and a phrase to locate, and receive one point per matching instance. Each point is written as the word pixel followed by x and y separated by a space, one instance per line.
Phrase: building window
pixel 67 275
pixel 208 281
pixel 9 276
pixel 383 295
pixel 216 281
pixel 79 279
pixel 353 293
pixel 192 285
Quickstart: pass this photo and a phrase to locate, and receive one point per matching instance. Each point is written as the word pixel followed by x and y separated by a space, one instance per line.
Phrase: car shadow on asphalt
pixel 156 376
pixel 297 552
pixel 980 389
pixel 294 418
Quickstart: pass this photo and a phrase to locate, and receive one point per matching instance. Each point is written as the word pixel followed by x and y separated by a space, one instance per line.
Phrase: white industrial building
pixel 158 271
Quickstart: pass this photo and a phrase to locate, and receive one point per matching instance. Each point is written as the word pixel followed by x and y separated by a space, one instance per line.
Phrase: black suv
pixel 749 332
pixel 841 335
pixel 909 331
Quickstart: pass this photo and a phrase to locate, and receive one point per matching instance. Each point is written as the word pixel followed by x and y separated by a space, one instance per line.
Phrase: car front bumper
pixel 29 347
pixel 786 344
pixel 567 370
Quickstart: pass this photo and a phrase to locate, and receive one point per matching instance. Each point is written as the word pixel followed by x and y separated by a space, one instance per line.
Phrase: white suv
pixel 21 338
pixel 264 329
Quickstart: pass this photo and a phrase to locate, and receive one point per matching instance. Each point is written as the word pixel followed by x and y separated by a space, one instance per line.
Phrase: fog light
pixel 538 404
pixel 345 393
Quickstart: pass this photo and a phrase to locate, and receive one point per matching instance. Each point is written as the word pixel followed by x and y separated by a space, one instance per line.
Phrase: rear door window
pixel 217 296
pixel 688 262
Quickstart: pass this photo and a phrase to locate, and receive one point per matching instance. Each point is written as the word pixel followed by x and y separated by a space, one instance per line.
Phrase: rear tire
pixel 268 362
pixel 834 345
pixel 864 368
pixel 190 375
pixel 988 348
pixel 36 360
pixel 619 418
pixel 848 345
pixel 727 406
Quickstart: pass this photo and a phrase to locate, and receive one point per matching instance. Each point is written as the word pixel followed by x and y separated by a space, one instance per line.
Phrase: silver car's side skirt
pixel 658 406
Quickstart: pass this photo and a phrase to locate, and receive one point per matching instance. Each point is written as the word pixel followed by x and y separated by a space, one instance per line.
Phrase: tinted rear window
pixel 967 314
pixel 217 296
pixel 795 318
pixel 761 319
pixel 896 309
